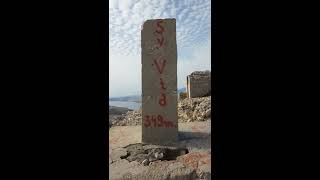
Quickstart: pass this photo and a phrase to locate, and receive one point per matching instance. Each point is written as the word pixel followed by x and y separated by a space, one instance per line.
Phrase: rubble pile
pixel 194 109
pixel 131 118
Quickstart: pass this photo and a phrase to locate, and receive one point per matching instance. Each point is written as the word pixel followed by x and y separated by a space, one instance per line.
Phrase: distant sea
pixel 126 104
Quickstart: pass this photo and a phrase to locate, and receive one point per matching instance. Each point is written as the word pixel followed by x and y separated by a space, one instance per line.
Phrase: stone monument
pixel 159 81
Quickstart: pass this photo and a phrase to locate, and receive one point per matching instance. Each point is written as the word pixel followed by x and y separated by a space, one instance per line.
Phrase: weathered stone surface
pixel 123 168
pixel 116 154
pixel 198 161
pixel 201 73
pixel 199 84
pixel 159 81
pixel 145 162
pixel 155 132
pixel 145 154
pixel 192 159
pixel 167 170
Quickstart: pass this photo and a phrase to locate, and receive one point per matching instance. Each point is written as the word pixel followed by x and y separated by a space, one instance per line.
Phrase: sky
pixel 126 17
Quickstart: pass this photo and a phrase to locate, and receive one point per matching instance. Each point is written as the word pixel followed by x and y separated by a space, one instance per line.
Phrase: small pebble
pixel 152 159
pixel 145 162
pixel 158 155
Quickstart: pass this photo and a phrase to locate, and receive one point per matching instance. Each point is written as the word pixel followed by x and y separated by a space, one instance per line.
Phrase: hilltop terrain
pixel 189 110
pixel 114 112
pixel 190 158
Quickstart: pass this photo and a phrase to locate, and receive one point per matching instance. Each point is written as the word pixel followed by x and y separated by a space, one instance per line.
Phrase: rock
pixel 196 109
pixel 123 169
pixel 198 161
pixel 207 113
pixel 158 155
pixel 145 162
pixel 167 170
pixel 160 170
pixel 118 153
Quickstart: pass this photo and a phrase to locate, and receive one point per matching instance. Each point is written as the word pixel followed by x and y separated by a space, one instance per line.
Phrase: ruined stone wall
pixel 199 84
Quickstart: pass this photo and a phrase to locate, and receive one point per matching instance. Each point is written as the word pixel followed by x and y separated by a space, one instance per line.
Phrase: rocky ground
pixel 195 109
pixel 189 110
pixel 190 158
pixel 115 112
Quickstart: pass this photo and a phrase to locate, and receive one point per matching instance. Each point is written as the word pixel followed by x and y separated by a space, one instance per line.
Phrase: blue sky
pixel 193 21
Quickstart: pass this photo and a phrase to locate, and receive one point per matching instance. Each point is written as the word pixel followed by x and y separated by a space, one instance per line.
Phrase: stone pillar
pixel 159 81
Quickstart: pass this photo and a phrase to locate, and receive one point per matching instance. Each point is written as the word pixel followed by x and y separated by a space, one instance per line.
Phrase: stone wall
pixel 199 84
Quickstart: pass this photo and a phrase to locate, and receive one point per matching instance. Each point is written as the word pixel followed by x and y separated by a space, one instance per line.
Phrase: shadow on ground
pixel 195 139
pixel 186 135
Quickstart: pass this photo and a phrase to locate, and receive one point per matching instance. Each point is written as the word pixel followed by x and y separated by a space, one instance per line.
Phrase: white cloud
pixel 125 5
pixel 113 4
pixel 126 18
pixel 125 22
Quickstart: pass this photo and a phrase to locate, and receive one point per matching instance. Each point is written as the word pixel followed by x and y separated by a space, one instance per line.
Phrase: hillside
pixel 115 112
pixel 133 98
